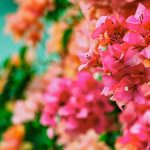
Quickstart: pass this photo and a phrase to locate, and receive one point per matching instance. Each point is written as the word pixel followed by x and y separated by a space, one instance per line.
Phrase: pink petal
pixel 132 23
pixel 140 10
pixel 134 38
pixel 132 57
pixel 139 98
pixel 97 32
pixel 146 52
pixel 50 133
pixel 101 21
pixel 83 113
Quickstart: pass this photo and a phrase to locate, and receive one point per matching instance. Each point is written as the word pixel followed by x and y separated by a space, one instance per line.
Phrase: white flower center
pixel 126 88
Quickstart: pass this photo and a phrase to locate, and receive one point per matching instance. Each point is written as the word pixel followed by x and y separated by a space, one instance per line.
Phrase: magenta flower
pixel 136 122
pixel 76 103
pixel 122 47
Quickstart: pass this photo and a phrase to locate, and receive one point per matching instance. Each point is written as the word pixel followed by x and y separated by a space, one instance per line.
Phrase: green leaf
pixel 60 8
pixel 17 80
pixel 5 120
pixel 66 38
pixel 37 135
pixel 109 138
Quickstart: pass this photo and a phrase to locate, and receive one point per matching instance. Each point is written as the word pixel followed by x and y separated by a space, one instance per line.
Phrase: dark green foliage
pixel 5 120
pixel 18 78
pixel 115 113
pixel 66 38
pixel 36 134
pixel 109 138
pixel 60 7
pixel 17 81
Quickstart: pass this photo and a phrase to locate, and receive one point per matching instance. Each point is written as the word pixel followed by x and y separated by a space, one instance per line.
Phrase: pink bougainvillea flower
pixel 141 17
pixel 135 120
pixel 76 102
pixel 123 55
pixel 110 25
pixel 127 88
pixel 90 58
pixel 25 110
pixel 132 57
pixel 104 23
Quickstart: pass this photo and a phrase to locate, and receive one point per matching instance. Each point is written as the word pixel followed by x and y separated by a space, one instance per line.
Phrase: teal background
pixel 7 45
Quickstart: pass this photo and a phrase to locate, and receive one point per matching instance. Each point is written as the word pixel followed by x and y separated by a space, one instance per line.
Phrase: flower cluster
pixel 26 21
pixel 136 123
pixel 76 103
pixel 121 51
pixel 25 110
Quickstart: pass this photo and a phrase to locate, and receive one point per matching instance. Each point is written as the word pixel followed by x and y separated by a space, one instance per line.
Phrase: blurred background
pixel 52 71
pixel 7 44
